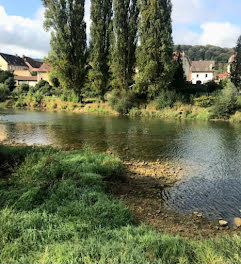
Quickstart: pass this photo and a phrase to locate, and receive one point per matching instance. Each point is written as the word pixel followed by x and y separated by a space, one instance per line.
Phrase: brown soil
pixel 140 191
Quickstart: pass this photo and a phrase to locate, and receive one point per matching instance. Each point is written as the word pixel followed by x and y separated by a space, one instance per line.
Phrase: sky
pixel 195 22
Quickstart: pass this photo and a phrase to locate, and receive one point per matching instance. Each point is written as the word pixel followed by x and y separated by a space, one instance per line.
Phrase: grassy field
pixel 55 208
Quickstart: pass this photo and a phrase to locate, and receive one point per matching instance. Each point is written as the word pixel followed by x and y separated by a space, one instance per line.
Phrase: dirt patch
pixel 141 192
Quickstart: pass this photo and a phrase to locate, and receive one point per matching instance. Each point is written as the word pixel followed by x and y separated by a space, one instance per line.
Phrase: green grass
pixel 55 208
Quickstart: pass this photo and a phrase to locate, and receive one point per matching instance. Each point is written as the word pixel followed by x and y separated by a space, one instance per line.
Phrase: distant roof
pixel 26 78
pixel 203 66
pixel 13 60
pixel 44 68
pixel 223 75
pixel 33 63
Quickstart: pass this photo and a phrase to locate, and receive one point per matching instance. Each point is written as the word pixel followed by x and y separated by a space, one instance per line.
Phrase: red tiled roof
pixel 223 75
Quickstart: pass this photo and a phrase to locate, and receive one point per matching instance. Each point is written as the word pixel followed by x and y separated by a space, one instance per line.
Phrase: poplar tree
pixel 123 60
pixel 236 66
pixel 101 27
pixel 155 53
pixel 65 20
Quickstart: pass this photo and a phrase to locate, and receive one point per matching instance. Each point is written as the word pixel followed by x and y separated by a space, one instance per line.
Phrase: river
pixel 208 152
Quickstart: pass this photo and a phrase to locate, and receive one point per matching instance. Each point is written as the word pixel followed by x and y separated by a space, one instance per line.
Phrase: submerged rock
pixel 237 221
pixel 223 223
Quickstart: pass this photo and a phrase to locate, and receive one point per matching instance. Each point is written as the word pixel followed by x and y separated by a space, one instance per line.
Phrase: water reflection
pixel 209 152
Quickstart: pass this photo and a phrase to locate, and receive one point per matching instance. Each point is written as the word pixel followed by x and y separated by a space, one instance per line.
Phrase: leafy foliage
pixel 65 19
pixel 226 102
pixel 123 59
pixel 165 99
pixel 4 92
pixel 236 66
pixel 155 54
pixel 21 89
pixel 204 101
pixel 4 75
pixel 101 27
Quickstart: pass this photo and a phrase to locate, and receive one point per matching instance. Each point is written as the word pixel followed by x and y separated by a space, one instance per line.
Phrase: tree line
pixel 130 48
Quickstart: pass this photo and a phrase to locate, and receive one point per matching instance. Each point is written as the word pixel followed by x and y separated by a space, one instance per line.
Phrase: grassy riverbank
pixel 178 111
pixel 55 208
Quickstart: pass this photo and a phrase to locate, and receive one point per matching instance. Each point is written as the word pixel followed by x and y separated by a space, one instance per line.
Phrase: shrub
pixel 226 102
pixel 165 99
pixel 4 75
pixel 21 89
pixel 4 92
pixel 43 87
pixel 10 82
pixel 204 101
pixel 69 96
pixel 122 101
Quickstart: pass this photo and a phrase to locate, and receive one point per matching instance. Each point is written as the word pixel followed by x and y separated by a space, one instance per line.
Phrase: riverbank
pixel 178 111
pixel 54 200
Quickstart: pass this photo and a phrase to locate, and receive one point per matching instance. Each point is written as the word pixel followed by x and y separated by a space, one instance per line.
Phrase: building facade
pixel 12 63
pixel 202 72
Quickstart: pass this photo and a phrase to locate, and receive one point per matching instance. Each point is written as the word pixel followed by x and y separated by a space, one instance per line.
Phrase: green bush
pixel 204 101
pixel 10 82
pixel 4 92
pixel 69 96
pixel 43 87
pixel 122 101
pixel 21 89
pixel 165 99
pixel 226 102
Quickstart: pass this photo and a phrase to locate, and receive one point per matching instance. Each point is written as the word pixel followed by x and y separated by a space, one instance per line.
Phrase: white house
pixel 203 71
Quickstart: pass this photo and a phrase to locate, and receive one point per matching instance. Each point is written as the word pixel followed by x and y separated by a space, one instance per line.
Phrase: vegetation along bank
pixel 55 207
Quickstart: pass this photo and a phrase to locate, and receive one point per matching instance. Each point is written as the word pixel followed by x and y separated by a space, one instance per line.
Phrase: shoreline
pixel 185 112
pixel 139 187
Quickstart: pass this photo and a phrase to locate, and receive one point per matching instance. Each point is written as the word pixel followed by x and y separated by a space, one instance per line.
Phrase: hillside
pixel 209 52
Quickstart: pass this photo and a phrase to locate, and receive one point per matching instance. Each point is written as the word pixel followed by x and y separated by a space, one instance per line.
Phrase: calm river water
pixel 209 152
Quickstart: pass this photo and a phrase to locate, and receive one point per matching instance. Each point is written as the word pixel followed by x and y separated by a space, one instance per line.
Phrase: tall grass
pixel 54 208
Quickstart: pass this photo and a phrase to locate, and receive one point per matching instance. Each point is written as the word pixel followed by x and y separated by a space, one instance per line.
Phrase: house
pixel 12 63
pixel 186 64
pixel 30 80
pixel 202 71
pixel 33 65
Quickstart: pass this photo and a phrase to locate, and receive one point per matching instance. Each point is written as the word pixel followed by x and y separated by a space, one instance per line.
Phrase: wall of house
pixel 17 68
pixel 186 67
pixel 3 64
pixel 202 77
pixel 30 83
pixel 43 76
pixel 22 73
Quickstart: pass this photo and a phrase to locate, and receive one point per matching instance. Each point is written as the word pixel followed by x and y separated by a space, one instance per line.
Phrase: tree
pixel 155 61
pixel 236 66
pixel 179 78
pixel 65 19
pixel 4 75
pixel 123 60
pixel 101 27
pixel 10 82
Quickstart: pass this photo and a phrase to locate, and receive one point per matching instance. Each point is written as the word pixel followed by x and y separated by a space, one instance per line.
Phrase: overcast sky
pixel 216 22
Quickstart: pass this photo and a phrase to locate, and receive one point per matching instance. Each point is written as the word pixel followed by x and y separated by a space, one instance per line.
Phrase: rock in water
pixel 223 223
pixel 237 221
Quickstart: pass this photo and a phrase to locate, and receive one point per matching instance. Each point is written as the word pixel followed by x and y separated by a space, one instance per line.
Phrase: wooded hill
pixel 209 52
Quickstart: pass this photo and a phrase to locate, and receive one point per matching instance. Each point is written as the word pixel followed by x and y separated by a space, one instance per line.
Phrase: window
pixel 197 75
pixel 206 76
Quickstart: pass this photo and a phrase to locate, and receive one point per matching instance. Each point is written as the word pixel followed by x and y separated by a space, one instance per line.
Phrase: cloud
pixel 23 35
pixel 223 34
pixel 202 22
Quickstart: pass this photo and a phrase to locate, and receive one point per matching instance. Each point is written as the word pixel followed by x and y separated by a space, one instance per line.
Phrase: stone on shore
pixel 237 222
